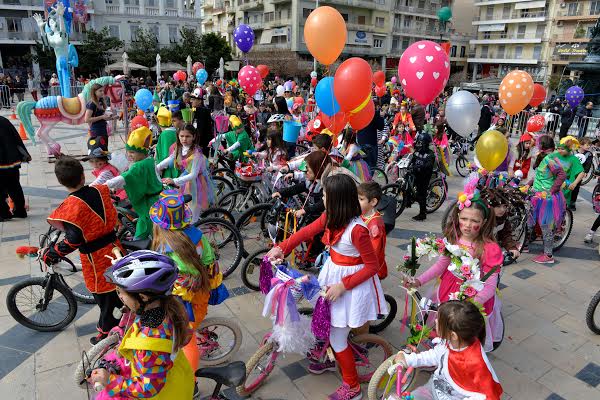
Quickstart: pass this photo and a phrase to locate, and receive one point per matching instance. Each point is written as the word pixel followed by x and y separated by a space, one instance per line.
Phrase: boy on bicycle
pixel 88 218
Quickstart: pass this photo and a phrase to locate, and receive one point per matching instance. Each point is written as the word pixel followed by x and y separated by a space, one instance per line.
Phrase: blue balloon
pixel 201 76
pixel 325 97
pixel 143 99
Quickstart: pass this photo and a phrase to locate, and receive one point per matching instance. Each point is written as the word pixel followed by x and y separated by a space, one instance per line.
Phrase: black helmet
pixel 423 140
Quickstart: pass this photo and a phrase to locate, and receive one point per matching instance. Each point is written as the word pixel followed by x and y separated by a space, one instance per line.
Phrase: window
pixel 305 12
pixel 132 2
pixel 594 7
pixel 453 51
pixel 506 11
pixel 114 31
pixel 405 43
pixel 170 3
pixel 151 3
pixel 463 51
pixel 154 29
pixel 380 21
pixel 537 52
pixel 173 34
pixel 518 51
pixel 539 31
pixel 489 12
pixel 395 43
pixel 573 9
pixel 501 50
pixel 361 20
pixel 134 30
pixel 421 4
pixel 407 21
pixel 484 51
pixel 345 16
pixel 378 43
pixel 521 31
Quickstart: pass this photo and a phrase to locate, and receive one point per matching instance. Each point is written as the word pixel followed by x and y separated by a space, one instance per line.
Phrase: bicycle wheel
pixel 252 227
pixel 373 351
pixel 379 176
pixel 219 213
pixel 226 242
pixel 72 277
pixel 35 304
pixel 561 234
pixel 447 215
pixel 592 315
pixel 93 355
pixel 227 174
pixel 251 269
pixel 231 199
pixel 395 190
pixel 382 385
pixel 219 339
pixel 258 368
pixel 436 195
pixel 588 177
pixel 381 324
pixel 222 187
pixel 461 164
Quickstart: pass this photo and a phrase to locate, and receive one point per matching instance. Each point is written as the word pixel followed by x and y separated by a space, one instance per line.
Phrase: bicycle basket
pixel 248 173
pixel 282 274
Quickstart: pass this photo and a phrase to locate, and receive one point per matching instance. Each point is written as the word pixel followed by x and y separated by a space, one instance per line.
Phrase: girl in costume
pixel 463 369
pixel 237 139
pixel 548 201
pixel 151 346
pixel 349 274
pixel 275 153
pixel 440 139
pixel 471 227
pixel 99 157
pixel 194 257
pixel 194 178
pixel 353 159
pixel 404 118
pixel 572 166
pixel 523 159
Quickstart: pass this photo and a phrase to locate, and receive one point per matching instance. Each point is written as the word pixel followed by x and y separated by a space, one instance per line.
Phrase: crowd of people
pixel 170 286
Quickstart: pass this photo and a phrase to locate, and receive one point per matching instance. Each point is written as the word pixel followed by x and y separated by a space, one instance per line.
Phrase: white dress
pixel 363 303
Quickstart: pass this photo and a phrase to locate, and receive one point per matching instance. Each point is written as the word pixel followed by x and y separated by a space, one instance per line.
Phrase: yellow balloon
pixel 491 149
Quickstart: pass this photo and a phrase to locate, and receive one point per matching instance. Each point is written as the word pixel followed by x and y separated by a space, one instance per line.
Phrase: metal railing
pixel 427 10
pixel 504 35
pixel 580 127
pixel 6 97
pixel 22 3
pixel 19 35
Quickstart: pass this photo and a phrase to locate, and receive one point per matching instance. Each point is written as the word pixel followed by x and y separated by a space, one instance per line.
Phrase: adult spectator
pixel 19 88
pixel 33 84
pixel 418 116
pixel 556 109
pixel 567 116
pixel 367 139
pixel 203 123
pixel 584 113
pixel 485 120
pixel 95 113
pixel 215 100
pixel 12 154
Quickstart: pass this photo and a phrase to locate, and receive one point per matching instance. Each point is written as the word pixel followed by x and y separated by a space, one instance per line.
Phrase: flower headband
pixel 466 200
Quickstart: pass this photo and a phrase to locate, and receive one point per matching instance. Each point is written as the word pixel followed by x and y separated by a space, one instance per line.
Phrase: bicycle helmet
pixel 423 140
pixel 144 271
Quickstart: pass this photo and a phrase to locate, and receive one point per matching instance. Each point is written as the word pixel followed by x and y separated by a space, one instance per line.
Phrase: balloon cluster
pixel 180 76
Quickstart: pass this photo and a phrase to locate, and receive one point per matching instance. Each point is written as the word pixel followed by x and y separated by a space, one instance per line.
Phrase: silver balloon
pixel 463 112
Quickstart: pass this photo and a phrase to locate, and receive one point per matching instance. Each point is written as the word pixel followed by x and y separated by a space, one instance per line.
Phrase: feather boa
pixel 293 336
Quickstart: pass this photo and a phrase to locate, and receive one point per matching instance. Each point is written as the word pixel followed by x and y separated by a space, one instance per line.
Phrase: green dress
pixel 142 187
pixel 245 144
pixel 165 141
pixel 572 167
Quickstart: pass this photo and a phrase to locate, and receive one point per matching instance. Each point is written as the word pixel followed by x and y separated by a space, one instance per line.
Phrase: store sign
pixel 359 38
pixel 570 49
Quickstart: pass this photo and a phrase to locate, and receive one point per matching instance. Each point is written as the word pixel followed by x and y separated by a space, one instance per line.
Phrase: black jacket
pixel 12 149
pixel 314 206
pixel 485 120
pixel 204 125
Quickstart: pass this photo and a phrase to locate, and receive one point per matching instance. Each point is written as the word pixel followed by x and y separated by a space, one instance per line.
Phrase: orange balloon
pixel 352 84
pixel 515 92
pixel 363 118
pixel 325 34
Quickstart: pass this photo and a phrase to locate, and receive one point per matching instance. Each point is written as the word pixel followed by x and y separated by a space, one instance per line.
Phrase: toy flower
pixel 418 328
pixel 406 257
pixel 470 291
pixel 453 296
pixel 465 269
pixel 475 284
pixel 464 200
pixel 453 249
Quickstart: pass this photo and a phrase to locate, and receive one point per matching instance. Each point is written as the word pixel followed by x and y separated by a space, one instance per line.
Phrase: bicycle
pixel 461 147
pixel 231 375
pixel 263 361
pixel 595 167
pixel 592 314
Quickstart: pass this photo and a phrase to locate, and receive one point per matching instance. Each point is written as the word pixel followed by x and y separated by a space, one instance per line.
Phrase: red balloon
pixel 313 82
pixel 539 95
pixel 380 91
pixel 352 83
pixel 263 70
pixel 364 117
pixel 197 66
pixel 137 122
pixel 298 100
pixel 336 123
pixel 379 78
pixel 536 123
pixel 446 46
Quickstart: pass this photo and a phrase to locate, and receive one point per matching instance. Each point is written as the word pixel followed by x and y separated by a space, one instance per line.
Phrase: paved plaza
pixel 547 353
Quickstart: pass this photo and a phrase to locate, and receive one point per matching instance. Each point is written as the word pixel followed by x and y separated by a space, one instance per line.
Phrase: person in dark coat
pixel 203 123
pixel 567 116
pixel 485 120
pixel 367 139
pixel 12 154
pixel 584 114
pixel 418 116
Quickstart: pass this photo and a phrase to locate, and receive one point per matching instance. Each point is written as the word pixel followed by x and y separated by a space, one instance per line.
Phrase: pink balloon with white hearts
pixel 424 70
pixel 250 79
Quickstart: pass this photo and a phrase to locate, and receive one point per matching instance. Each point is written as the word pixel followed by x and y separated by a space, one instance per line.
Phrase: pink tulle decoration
pixel 321 320
pixel 265 276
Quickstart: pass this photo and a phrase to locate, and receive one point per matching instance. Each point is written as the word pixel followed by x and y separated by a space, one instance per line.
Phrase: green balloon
pixel 444 14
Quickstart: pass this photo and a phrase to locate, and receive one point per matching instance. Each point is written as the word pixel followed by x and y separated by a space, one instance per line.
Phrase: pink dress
pixel 449 283
pixel 106 173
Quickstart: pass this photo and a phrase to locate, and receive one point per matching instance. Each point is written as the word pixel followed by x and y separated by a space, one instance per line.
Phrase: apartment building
pixel 572 22
pixel 510 34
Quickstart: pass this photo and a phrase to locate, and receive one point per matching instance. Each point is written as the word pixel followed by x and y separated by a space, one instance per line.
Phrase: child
pixel 421 164
pixel 275 153
pixel 194 177
pixel 151 346
pixel 404 118
pixel 523 161
pixel 572 166
pixel 183 243
pixel 98 157
pixel 88 218
pixel 238 141
pixel 167 138
pixel 349 274
pixel 140 181
pixel 463 369
pixel 353 159
pixel 402 135
pixel 369 196
pixel 585 157
pixel 470 226
pixel 549 201
pixel 499 200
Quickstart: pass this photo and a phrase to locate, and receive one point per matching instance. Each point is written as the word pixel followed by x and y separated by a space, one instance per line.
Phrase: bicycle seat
pixel 233 374
pixel 187 198
pixel 133 245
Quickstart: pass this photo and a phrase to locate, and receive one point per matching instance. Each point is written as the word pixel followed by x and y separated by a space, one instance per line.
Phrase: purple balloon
pixel 244 38
pixel 574 95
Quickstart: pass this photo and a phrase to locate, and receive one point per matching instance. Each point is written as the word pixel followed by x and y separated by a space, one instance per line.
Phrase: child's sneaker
pixel 589 238
pixel 318 368
pixel 543 259
pixel 345 392
pixel 95 339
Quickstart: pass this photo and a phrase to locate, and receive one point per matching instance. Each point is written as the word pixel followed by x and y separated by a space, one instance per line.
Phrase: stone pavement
pixel 548 352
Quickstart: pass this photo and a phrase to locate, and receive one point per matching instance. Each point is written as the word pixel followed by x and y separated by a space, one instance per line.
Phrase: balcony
pixel 171 12
pixel 152 11
pixel 246 5
pixel 419 31
pixel 280 1
pixel 276 23
pixel 503 37
pixel 132 10
pixel 255 25
pixel 190 14
pixel 575 15
pixel 508 57
pixel 517 16
pixel 20 4
pixel 273 46
pixel 113 9
pixel 492 2
pixel 429 11
pixel 18 37
pixel 569 38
